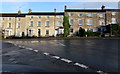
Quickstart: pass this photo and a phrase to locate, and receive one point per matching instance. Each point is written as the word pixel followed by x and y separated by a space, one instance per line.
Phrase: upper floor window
pixel 59 17
pixel 2 18
pixel 47 23
pixel 18 19
pixel 31 23
pixel 39 17
pixel 101 22
pixel 113 13
pixel 90 15
pixel 113 20
pixel 9 25
pixel 18 25
pixel 59 23
pixel 101 15
pixel 80 22
pixel 47 17
pixel 39 23
pixel 89 22
pixel 71 21
pixel 71 14
pixel 31 17
pixel 9 18
pixel 81 15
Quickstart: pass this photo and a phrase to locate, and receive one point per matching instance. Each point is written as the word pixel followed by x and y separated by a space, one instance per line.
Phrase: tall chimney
pixel 54 10
pixel 103 7
pixel 19 12
pixel 30 10
pixel 65 7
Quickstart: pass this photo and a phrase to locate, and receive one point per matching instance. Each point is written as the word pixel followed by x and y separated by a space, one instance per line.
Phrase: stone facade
pixel 51 23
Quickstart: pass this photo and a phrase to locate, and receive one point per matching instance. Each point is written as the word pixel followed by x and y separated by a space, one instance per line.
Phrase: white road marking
pixel 81 65
pixel 29 48
pixel 35 50
pixel 56 57
pixel 66 60
pixel 61 44
pixel 45 53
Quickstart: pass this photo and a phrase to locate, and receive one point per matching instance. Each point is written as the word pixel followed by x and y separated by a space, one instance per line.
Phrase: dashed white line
pixel 81 65
pixel 66 60
pixel 56 57
pixel 29 48
pixel 45 53
pixel 35 50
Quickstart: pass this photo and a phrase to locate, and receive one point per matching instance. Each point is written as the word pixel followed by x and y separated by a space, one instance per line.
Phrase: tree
pixel 66 26
pixel 81 32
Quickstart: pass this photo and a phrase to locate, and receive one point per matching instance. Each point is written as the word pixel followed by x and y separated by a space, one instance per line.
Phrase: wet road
pixel 97 54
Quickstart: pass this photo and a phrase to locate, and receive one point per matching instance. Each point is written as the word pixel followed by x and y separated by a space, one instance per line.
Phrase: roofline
pixel 90 10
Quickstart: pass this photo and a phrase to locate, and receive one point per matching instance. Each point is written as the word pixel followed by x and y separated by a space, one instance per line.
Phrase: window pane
pixel 71 14
pixel 47 17
pixel 39 17
pixel 59 23
pixel 113 20
pixel 90 15
pixel 39 23
pixel 80 22
pixel 47 23
pixel 89 22
pixel 80 15
pixel 71 21
pixel 47 31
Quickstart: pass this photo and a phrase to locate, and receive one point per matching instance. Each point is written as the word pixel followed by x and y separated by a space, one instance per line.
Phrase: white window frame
pixel 80 20
pixel 39 23
pixel 82 15
pixel 114 20
pixel 90 15
pixel 88 22
pixel 71 14
pixel 18 26
pixel 47 24
pixel 113 13
pixel 70 21
pixel 31 23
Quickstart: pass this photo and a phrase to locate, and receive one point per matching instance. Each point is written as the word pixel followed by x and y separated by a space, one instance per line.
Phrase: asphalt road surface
pixel 62 55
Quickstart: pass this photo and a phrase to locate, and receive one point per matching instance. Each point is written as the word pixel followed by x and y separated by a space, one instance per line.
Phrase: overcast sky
pixel 39 6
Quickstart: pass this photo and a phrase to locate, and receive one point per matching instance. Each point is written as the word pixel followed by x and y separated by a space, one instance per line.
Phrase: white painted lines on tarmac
pixel 66 60
pixel 56 57
pixel 45 53
pixel 35 50
pixel 62 59
pixel 81 65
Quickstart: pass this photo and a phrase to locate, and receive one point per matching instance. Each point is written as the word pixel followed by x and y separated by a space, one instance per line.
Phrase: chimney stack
pixel 19 12
pixel 65 7
pixel 30 10
pixel 103 7
pixel 54 10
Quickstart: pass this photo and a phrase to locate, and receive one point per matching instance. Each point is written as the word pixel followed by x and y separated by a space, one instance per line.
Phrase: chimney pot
pixel 30 10
pixel 65 7
pixel 55 10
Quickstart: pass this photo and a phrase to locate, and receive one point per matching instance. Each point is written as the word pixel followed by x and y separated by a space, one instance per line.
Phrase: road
pixel 99 54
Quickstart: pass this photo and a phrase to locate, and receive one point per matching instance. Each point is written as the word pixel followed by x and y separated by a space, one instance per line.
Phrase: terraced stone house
pixel 42 24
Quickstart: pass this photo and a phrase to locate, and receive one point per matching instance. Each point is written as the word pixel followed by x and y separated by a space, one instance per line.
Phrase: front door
pixel 39 32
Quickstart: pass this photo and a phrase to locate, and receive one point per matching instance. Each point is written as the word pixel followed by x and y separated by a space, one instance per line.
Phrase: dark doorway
pixel 39 32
